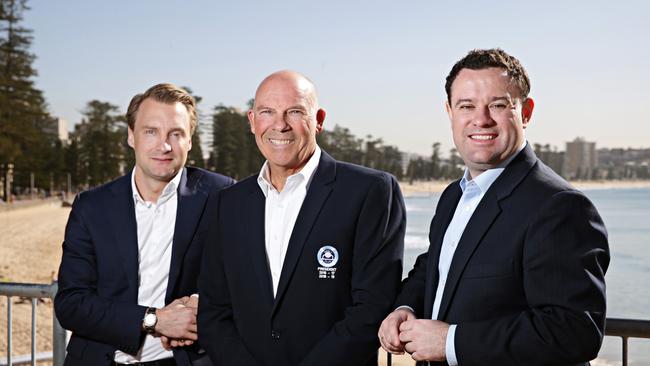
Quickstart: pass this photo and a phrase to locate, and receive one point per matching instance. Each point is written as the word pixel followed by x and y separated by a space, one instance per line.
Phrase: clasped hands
pixel 176 324
pixel 423 339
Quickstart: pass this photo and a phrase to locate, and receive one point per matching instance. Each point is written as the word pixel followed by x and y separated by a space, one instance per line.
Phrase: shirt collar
pixel 167 192
pixel 485 179
pixel 305 174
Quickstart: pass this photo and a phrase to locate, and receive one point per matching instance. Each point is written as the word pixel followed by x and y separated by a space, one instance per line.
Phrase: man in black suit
pixel 514 274
pixel 132 246
pixel 306 257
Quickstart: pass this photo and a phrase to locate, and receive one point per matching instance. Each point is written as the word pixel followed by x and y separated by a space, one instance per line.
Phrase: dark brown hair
pixel 495 57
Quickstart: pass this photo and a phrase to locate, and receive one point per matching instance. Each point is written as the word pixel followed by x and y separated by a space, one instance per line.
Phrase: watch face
pixel 150 320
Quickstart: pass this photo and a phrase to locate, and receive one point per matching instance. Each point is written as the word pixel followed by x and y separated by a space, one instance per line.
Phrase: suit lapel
pixel 255 205
pixel 446 208
pixel 191 203
pixel 317 194
pixel 481 221
pixel 121 215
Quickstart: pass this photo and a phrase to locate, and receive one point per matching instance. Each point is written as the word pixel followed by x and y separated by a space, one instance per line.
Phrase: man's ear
pixel 251 118
pixel 320 119
pixel 448 109
pixel 129 137
pixel 527 111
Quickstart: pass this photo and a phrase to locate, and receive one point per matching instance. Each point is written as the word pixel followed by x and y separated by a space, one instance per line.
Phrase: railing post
pixel 58 334
pixel 9 330
pixel 624 351
pixel 34 331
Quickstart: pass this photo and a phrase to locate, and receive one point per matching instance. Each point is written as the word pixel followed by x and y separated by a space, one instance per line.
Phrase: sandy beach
pixel 30 243
pixel 30 247
pixel 437 186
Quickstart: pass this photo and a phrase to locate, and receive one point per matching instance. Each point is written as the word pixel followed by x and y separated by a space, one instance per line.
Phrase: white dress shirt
pixel 473 192
pixel 156 222
pixel 281 212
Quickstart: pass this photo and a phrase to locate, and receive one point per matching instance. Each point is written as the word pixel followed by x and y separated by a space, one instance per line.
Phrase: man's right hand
pixel 389 330
pixel 177 321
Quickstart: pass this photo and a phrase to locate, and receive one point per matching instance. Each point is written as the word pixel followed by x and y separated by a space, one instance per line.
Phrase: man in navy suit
pixel 305 259
pixel 515 272
pixel 132 246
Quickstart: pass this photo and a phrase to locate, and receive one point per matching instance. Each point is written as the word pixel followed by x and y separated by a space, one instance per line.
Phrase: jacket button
pixel 275 334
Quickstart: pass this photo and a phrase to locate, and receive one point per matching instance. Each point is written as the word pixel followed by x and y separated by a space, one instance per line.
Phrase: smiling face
pixel 161 140
pixel 285 120
pixel 488 117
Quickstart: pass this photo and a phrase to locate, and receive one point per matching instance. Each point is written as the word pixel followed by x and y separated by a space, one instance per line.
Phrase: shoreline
pixel 419 188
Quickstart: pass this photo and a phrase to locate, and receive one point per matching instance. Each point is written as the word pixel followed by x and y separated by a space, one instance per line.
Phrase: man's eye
pixel 265 111
pixel 296 112
pixel 149 132
pixel 466 107
pixel 499 106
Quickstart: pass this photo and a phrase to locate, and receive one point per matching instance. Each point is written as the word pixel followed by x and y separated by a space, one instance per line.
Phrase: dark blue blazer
pixel 526 284
pixel 312 320
pixel 98 276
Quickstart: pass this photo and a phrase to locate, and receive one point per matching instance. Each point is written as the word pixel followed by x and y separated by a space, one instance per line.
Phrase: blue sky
pixel 379 65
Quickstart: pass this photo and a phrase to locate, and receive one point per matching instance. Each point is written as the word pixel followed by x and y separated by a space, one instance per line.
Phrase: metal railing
pixel 627 328
pixel 34 292
pixel 624 328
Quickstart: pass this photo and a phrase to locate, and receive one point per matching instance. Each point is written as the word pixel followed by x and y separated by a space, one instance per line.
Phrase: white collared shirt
pixel 281 211
pixel 156 222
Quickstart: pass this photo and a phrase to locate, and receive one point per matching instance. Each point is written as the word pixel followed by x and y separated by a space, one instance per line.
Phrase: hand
pixel 424 339
pixel 389 330
pixel 192 301
pixel 168 343
pixel 177 321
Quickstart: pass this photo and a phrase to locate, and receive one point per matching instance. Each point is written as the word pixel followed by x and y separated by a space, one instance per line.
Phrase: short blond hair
pixel 164 93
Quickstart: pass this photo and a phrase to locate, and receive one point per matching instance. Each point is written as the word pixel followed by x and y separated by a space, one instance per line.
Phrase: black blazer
pixel 526 284
pixel 98 276
pixel 312 320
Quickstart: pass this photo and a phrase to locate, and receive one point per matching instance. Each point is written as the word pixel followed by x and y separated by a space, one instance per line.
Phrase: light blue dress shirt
pixel 473 192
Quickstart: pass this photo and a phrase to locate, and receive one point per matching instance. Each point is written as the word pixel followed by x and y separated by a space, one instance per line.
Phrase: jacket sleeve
pixel 564 259
pixel 216 328
pixel 377 271
pixel 77 304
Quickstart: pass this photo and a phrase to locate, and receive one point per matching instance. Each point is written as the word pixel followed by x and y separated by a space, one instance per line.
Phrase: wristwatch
pixel 149 321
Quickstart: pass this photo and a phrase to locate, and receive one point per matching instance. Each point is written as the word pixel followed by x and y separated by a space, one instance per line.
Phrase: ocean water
pixel 626 213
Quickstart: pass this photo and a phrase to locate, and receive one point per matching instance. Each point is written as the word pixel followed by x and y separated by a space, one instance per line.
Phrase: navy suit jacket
pixel 526 284
pixel 311 320
pixel 98 276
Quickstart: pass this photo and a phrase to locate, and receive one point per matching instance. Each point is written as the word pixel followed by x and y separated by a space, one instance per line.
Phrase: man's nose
pixel 164 145
pixel 483 117
pixel 281 122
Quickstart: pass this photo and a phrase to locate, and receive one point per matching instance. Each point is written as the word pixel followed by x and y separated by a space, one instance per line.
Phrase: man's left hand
pixel 424 339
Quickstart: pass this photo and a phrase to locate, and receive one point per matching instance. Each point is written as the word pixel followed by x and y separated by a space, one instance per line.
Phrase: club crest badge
pixel 327 257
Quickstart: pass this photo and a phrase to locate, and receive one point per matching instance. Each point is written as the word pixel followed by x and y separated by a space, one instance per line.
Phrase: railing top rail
pixel 28 289
pixel 633 328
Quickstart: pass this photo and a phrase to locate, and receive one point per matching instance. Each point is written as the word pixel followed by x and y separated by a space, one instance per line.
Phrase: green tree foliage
pixel 23 112
pixel 195 156
pixel 234 152
pixel 98 150
pixel 342 144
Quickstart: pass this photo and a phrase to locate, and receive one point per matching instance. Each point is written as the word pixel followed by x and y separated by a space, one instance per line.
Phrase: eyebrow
pixel 176 129
pixel 493 99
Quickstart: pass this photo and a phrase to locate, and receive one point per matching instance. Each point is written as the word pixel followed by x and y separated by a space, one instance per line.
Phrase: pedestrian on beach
pixel 305 259
pixel 515 270
pixel 128 275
